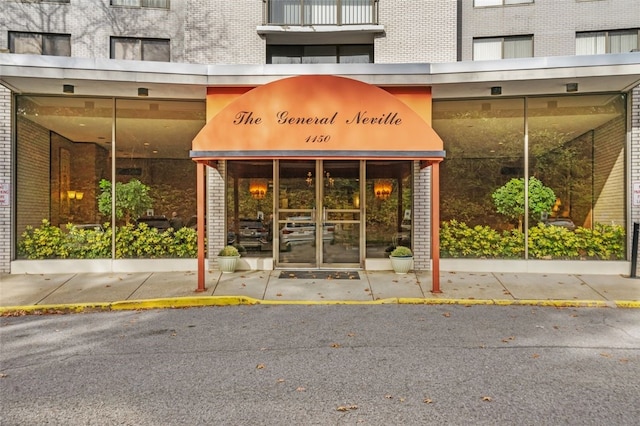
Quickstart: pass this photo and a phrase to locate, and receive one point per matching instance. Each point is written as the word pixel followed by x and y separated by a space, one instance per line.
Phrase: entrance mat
pixel 321 275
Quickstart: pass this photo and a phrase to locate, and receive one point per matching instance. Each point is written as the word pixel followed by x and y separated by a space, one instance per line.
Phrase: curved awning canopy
pixel 319 116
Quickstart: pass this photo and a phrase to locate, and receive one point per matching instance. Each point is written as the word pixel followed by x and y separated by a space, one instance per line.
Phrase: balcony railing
pixel 320 12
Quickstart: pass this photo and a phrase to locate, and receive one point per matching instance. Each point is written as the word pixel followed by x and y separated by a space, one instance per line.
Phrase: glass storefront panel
pixel 388 199
pixel 155 177
pixel 576 187
pixel 63 150
pixel 484 141
pixel 576 150
pixel 64 163
pixel 250 207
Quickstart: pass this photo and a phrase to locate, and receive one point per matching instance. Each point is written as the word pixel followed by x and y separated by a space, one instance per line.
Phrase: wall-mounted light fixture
pixel 68 88
pixel 75 195
pixel 572 87
pixel 382 189
pixel 258 188
pixel 143 91
pixel 496 90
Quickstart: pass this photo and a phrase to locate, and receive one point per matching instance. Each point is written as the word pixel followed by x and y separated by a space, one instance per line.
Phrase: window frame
pixel 503 40
pixel 141 42
pixel 141 4
pixel 607 39
pixel 503 3
pixel 300 54
pixel 42 36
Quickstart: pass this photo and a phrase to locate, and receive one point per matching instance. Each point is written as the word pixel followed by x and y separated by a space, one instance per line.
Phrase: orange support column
pixel 435 227
pixel 200 193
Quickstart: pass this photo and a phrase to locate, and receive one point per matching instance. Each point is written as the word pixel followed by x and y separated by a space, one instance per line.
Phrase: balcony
pixel 306 13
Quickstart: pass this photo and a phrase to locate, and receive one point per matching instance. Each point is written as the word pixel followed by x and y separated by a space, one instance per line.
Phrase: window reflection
pixel 64 163
pixel 388 206
pixel 250 207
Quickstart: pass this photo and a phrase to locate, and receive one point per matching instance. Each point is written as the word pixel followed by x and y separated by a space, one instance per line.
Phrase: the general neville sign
pixel 317 116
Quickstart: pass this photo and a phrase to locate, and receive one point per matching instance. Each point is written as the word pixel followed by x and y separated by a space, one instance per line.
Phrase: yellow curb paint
pixel 186 302
pixel 564 303
pixel 633 304
pixel 70 307
pixel 183 302
pixel 327 302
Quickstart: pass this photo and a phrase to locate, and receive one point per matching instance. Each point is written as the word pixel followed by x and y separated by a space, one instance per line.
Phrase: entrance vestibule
pixel 319 213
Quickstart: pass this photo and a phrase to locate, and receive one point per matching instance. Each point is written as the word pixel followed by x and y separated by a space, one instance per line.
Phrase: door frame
pixel 318 220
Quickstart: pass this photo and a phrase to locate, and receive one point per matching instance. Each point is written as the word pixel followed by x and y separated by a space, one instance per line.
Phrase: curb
pixel 192 302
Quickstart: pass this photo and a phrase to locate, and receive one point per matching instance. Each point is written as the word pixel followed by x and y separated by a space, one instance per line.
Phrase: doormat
pixel 320 275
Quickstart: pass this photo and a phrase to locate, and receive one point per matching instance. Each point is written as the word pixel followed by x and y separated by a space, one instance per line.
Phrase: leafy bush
pixel 229 251
pixel 606 242
pixel 132 199
pixel 401 251
pixel 45 242
pixel 509 199
pixel 51 242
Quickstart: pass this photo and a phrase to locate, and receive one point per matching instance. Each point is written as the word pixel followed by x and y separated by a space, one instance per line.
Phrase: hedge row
pixel 52 242
pixel 604 242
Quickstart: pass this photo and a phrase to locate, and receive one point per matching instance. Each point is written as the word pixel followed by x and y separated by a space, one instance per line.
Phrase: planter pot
pixel 401 265
pixel 228 263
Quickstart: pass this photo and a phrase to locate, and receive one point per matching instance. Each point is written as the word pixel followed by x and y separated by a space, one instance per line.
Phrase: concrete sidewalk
pixel 109 291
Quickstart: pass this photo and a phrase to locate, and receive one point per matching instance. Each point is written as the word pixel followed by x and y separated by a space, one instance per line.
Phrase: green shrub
pixel 45 242
pixel 401 251
pixel 50 242
pixel 606 242
pixel 229 251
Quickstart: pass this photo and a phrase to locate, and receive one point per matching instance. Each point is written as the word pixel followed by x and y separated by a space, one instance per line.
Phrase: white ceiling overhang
pixel 33 74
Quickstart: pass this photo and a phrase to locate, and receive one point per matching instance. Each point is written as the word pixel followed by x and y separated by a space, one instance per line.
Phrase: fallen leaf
pixel 300 389
pixel 486 398
pixel 351 334
pixel 605 355
pixel 624 360
pixel 508 339
pixel 280 381
pixel 260 366
pixel 278 294
pixel 2 375
pixel 347 407
pixel 428 401
pixel 335 345
pixel 535 356
pixel 446 314
pixel 388 396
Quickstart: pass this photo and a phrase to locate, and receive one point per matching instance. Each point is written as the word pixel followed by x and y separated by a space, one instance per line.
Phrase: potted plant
pixel 401 259
pixel 228 258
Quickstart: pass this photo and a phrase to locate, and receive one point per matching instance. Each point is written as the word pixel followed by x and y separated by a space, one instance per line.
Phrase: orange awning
pixel 318 116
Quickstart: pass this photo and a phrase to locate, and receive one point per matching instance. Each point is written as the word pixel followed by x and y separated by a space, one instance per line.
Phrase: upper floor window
pixel 159 4
pixel 502 47
pixel 321 12
pixel 140 49
pixel 40 43
pixel 599 42
pixel 320 54
pixel 485 3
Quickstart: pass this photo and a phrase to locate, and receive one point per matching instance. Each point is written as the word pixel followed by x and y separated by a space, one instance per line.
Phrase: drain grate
pixel 320 275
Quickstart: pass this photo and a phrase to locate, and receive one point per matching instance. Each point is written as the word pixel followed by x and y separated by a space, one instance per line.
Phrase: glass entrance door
pixel 319 216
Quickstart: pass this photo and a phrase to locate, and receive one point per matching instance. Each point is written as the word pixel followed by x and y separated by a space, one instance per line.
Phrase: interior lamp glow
pixel 258 188
pixel 382 189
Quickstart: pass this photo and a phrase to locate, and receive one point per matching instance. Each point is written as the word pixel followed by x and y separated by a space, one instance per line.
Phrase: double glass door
pixel 318 213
